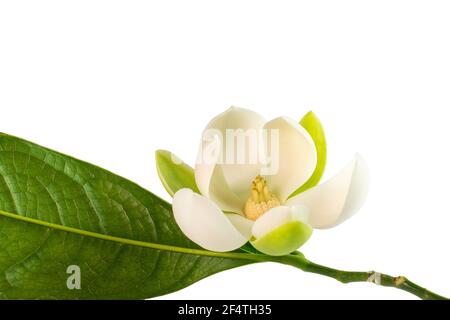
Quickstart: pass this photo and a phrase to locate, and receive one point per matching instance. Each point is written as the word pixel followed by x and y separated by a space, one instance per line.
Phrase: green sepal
pixel 174 173
pixel 312 124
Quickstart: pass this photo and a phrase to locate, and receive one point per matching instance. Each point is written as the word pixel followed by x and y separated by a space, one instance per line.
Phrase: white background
pixel 110 82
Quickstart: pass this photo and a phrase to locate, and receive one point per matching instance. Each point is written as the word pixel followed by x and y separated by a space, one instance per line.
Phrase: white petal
pixel 336 200
pixel 242 224
pixel 207 159
pixel 204 223
pixel 240 135
pixel 210 179
pixel 276 217
pixel 292 154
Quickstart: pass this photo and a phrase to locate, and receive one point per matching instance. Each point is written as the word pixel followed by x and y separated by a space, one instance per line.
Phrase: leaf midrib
pixel 137 243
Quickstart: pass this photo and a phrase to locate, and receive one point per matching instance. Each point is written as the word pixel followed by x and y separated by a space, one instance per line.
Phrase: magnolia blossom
pixel 242 201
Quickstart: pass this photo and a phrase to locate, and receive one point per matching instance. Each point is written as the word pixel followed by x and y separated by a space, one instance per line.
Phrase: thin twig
pixel 299 261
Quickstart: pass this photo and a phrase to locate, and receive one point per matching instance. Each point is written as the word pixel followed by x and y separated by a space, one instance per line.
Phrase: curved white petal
pixel 239 131
pixel 278 216
pixel 207 159
pixel 292 155
pixel 242 224
pixel 204 223
pixel 336 200
pixel 210 179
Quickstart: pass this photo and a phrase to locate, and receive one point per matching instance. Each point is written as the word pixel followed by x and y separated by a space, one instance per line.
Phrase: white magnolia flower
pixel 238 204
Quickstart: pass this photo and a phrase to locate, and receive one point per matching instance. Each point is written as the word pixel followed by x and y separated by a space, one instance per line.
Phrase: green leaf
pixel 249 249
pixel 174 173
pixel 312 124
pixel 57 211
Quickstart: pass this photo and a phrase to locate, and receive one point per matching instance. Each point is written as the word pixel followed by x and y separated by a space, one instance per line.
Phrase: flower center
pixel 260 200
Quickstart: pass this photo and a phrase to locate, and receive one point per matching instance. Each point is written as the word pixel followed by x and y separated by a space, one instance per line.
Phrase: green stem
pixel 299 261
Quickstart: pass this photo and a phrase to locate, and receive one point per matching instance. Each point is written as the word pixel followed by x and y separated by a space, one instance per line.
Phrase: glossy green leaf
pixel 285 239
pixel 174 173
pixel 57 212
pixel 312 124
